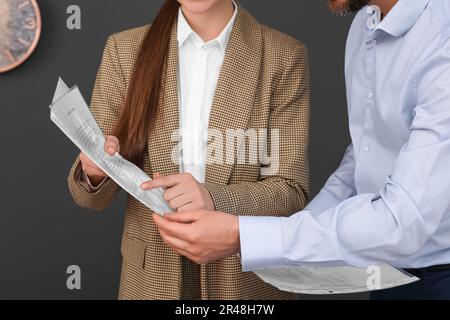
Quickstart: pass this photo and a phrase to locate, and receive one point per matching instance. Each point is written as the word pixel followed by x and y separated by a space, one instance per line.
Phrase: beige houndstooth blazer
pixel 264 83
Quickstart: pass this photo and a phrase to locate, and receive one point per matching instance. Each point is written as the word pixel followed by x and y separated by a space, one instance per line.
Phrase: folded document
pixel 71 114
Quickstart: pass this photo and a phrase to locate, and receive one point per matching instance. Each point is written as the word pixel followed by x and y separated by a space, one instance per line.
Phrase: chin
pixel 198 6
pixel 337 5
pixel 344 7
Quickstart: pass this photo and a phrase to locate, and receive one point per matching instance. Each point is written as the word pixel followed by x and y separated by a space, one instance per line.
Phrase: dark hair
pixel 143 97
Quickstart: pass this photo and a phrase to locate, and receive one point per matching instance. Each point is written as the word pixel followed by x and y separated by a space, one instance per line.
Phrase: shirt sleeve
pixel 378 228
pixel 339 187
pixel 84 179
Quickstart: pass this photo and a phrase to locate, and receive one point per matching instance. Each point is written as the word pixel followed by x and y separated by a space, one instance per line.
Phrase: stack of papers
pixel 71 114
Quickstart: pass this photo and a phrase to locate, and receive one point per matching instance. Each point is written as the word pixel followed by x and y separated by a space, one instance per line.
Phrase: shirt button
pixel 366 148
pixel 374 42
pixel 370 96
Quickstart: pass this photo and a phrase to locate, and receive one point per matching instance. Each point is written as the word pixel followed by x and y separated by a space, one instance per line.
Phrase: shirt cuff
pixel 83 178
pixel 261 242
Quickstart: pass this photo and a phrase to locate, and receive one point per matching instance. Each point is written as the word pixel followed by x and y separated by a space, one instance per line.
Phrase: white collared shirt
pixel 389 201
pixel 200 64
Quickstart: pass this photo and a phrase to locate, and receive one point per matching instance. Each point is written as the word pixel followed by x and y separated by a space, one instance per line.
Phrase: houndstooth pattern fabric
pixel 264 83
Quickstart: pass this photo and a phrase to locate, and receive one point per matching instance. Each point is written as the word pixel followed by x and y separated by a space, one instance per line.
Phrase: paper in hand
pixel 71 114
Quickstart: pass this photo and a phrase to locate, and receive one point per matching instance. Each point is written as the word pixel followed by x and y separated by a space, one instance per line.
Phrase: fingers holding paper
pixel 201 236
pixel 182 191
pixel 112 145
pixel 95 174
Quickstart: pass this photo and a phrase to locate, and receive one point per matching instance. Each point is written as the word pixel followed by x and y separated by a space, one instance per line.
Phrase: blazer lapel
pixel 232 105
pixel 163 139
pixel 236 90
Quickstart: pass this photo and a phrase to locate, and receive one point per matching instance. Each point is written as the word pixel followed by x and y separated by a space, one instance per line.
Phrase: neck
pixel 385 5
pixel 210 24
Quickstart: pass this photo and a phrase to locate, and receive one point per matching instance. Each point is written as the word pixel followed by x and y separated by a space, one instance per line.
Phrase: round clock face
pixel 20 29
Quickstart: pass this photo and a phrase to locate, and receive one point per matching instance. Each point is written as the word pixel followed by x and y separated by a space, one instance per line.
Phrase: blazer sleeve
pixel 287 190
pixel 107 99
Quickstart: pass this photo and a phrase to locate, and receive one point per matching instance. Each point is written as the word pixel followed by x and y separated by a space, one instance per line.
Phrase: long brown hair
pixel 141 105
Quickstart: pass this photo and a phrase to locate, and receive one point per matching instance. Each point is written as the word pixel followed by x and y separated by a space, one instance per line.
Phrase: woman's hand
pixel 183 192
pixel 95 174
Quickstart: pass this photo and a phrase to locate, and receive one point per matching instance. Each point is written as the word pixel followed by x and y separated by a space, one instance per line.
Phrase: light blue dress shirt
pixel 389 201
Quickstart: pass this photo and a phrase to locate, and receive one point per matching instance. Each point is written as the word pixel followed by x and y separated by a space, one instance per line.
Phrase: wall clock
pixel 20 30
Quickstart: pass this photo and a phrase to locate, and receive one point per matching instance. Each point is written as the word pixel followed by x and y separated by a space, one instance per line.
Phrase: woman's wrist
pixel 93 181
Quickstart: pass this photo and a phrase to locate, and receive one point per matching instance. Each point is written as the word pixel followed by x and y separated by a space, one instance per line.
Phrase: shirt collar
pixel 402 17
pixel 184 30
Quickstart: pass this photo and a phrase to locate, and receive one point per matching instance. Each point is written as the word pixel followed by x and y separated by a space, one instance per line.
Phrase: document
pixel 335 280
pixel 71 114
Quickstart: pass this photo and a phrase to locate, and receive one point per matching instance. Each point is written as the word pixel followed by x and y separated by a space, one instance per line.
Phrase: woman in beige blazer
pixel 263 84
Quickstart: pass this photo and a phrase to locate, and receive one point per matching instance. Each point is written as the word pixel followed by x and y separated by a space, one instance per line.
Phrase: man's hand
pixel 183 192
pixel 202 236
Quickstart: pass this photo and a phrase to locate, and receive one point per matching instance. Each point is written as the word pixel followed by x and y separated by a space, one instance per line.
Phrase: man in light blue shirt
pixel 389 201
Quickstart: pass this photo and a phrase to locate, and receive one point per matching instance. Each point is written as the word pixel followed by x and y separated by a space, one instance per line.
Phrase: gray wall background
pixel 41 230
